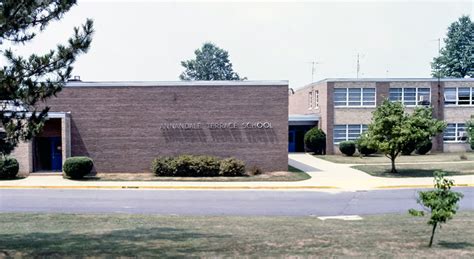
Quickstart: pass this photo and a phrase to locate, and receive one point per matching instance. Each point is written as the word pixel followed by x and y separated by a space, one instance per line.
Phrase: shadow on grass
pixel 455 245
pixel 140 242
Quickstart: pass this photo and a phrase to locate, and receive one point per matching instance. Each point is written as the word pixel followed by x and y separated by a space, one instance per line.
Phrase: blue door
pixel 291 141
pixel 56 154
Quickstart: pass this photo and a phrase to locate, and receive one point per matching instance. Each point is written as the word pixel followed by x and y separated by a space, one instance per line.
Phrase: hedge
pixel 197 166
pixel 8 168
pixel 77 167
pixel 348 148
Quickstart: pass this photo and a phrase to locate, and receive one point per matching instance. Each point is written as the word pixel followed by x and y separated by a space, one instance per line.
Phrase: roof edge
pixel 174 83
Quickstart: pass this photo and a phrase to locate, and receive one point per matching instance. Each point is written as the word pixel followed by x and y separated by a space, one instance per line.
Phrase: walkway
pixel 343 176
pixel 325 175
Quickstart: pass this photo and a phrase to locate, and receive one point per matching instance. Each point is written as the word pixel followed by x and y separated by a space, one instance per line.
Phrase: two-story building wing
pixel 343 108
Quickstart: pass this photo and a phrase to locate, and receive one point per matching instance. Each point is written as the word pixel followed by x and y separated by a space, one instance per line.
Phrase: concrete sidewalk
pixel 325 175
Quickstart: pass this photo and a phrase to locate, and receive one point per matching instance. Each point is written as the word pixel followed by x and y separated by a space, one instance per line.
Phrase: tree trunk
pixel 433 233
pixel 394 170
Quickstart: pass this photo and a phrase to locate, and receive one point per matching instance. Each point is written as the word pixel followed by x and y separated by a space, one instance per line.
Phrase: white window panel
pixel 354 97
pixel 346 132
pixel 455 132
pixel 340 97
pixel 450 95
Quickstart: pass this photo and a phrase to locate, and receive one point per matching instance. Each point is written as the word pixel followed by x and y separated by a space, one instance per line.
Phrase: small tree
pixel 441 202
pixel 211 63
pixel 392 128
pixel 315 141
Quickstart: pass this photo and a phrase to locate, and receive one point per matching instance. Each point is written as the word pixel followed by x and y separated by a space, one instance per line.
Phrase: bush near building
pixel 315 141
pixel 8 168
pixel 424 147
pixel 197 166
pixel 365 145
pixel 77 167
pixel 348 148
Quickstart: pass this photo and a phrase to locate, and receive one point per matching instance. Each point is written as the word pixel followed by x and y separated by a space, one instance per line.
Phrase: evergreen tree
pixel 211 63
pixel 457 57
pixel 26 82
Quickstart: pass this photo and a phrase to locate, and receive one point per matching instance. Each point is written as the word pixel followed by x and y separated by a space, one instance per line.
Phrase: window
pixel 316 99
pixel 346 132
pixel 459 96
pixel 410 96
pixel 455 132
pixel 354 97
pixel 310 100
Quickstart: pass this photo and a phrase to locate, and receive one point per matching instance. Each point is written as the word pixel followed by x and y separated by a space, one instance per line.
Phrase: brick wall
pixel 119 127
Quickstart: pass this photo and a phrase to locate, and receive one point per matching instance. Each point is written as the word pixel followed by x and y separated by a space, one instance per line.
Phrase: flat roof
pixel 399 79
pixel 174 83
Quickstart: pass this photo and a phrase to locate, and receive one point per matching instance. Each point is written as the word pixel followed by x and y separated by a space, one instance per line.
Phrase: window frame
pixel 361 100
pixel 362 129
pixel 457 137
pixel 456 100
pixel 310 100
pixel 417 96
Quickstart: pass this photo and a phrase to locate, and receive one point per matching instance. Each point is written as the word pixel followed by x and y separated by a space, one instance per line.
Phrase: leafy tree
pixel 457 57
pixel 442 202
pixel 27 81
pixel 211 63
pixel 392 128
pixel 315 141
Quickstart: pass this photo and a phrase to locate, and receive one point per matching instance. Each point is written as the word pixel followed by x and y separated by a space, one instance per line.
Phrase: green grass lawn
pixel 113 235
pixel 418 170
pixel 381 159
pixel 293 174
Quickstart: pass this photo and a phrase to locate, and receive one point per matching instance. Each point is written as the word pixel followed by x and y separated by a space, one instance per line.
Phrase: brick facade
pixel 331 115
pixel 118 126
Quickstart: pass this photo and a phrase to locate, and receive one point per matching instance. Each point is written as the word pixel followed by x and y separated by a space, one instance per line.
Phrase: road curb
pixel 172 187
pixel 419 186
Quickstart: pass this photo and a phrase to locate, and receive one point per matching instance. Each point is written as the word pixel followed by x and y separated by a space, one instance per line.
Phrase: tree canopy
pixel 392 128
pixel 211 63
pixel 457 57
pixel 26 82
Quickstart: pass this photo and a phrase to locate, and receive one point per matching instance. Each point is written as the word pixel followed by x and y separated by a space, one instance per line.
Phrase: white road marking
pixel 342 217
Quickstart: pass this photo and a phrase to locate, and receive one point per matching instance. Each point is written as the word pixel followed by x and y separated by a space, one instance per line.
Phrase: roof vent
pixel 75 79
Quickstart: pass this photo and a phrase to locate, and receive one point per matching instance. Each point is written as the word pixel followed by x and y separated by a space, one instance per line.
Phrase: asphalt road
pixel 182 202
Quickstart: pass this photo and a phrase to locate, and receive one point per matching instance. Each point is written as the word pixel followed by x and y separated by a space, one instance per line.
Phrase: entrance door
pixel 48 155
pixel 56 154
pixel 291 141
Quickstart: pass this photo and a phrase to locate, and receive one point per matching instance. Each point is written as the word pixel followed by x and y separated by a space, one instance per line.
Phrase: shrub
pixel 424 147
pixel 77 167
pixel 365 146
pixel 206 166
pixel 408 148
pixel 8 168
pixel 315 141
pixel 232 167
pixel 162 166
pixel 348 148
pixel 255 170
pixel 197 166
